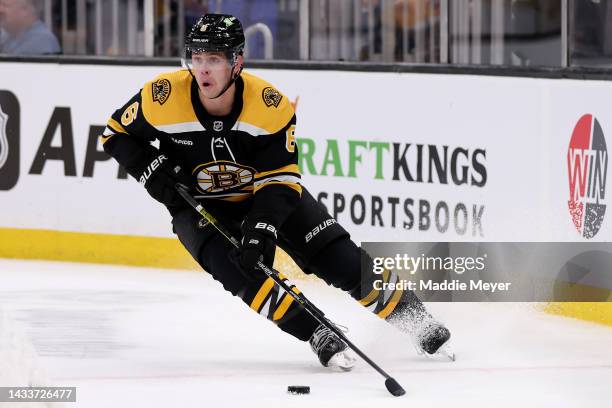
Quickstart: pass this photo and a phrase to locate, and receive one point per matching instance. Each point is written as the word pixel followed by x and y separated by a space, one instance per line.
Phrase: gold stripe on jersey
pixel 105 139
pixel 279 176
pixel 247 189
pixel 176 114
pixel 115 126
pixel 243 194
pixel 291 168
pixel 112 128
pixel 256 116
pixel 232 199
pixel 294 186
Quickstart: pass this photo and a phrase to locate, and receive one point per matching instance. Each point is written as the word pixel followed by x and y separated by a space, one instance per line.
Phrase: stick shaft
pixel 299 297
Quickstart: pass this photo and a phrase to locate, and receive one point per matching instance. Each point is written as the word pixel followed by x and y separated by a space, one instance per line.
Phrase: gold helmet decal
pixel 161 90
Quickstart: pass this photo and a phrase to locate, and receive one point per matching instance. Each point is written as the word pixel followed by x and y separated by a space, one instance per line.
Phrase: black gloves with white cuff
pixel 258 244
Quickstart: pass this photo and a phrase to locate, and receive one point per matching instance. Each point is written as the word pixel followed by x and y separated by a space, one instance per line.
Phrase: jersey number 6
pixel 290 144
pixel 129 115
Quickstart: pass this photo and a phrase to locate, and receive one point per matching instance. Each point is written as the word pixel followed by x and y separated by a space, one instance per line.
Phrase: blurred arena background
pixel 418 120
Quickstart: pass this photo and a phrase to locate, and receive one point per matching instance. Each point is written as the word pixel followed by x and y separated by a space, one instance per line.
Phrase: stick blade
pixel 394 388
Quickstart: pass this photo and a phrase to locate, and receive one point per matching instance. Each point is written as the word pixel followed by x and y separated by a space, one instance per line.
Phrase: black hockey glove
pixel 160 178
pixel 258 244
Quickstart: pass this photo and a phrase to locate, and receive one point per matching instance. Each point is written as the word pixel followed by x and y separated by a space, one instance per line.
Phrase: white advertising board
pixel 394 156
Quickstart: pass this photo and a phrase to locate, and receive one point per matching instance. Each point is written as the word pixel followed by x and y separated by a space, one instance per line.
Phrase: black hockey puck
pixel 298 389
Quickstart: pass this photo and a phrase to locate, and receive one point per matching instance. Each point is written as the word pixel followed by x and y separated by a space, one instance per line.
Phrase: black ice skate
pixel 432 338
pixel 331 350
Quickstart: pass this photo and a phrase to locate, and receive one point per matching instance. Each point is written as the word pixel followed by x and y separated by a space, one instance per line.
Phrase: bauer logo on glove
pixel 258 244
pixel 267 227
pixel 151 168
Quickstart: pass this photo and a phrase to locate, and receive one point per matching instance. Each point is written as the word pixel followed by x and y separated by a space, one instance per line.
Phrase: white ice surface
pixel 135 337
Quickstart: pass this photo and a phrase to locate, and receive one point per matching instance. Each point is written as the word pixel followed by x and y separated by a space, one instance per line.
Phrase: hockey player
pixel 230 137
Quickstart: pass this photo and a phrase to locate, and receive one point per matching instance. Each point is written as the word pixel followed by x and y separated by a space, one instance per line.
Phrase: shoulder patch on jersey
pixel 166 102
pixel 161 90
pixel 271 97
pixel 257 118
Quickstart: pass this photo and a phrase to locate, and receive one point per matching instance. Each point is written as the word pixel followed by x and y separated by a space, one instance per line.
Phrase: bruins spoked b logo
pixel 9 140
pixel 161 90
pixel 222 176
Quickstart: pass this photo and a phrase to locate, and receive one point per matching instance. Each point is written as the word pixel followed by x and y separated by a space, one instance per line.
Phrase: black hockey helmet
pixel 216 33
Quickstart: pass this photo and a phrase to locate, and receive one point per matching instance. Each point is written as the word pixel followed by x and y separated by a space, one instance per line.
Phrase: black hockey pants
pixel 315 241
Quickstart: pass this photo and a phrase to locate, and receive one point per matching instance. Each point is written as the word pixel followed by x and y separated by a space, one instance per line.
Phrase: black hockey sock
pixel 272 302
pixel 344 265
pixel 260 293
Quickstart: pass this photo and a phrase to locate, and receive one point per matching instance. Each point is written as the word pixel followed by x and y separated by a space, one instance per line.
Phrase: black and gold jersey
pixel 247 159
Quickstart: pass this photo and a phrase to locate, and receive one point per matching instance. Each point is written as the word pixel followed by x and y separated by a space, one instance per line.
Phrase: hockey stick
pixel 392 385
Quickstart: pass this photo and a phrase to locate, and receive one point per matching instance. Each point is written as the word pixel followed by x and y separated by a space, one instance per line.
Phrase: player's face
pixel 212 71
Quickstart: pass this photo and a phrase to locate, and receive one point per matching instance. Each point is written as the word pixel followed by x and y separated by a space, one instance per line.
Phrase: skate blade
pixel 342 361
pixel 447 351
